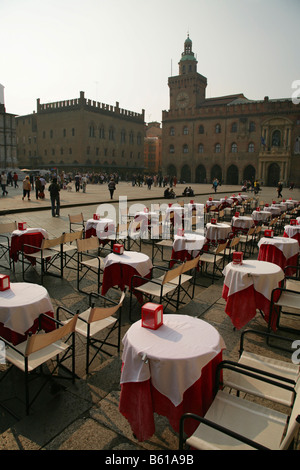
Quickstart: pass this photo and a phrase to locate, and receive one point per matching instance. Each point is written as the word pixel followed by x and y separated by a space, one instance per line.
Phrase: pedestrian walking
pixel 26 188
pixel 279 189
pixel 54 189
pixel 38 187
pixel 15 178
pixel 4 183
pixel 111 187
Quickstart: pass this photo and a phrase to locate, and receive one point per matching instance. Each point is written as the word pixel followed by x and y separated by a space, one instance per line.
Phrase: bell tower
pixel 188 88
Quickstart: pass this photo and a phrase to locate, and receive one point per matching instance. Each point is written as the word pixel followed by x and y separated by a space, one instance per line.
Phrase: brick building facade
pixel 153 147
pixel 230 137
pixel 81 134
pixel 8 147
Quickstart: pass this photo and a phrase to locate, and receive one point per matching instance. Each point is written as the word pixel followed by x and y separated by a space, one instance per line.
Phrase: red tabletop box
pixel 22 225
pixel 237 257
pixel 118 248
pixel 4 282
pixel 268 233
pixel 152 315
pixel 213 221
pixel 293 222
pixel 237 214
pixel 96 216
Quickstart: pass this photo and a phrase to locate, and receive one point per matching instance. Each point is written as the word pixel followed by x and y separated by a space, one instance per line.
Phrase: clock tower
pixel 187 90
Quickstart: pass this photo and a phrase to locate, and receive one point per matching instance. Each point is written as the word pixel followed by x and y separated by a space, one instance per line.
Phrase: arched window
pixel 218 128
pixel 185 130
pixel 185 148
pixel 276 138
pixel 171 149
pixel 172 131
pixel 234 127
pixel 234 147
pixel 251 147
pixel 201 129
pixel 200 148
pixel 252 126
pixel 217 148
pixel 123 136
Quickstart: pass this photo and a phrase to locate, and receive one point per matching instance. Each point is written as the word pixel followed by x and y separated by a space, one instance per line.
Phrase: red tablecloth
pixel 16 338
pixel 140 400
pixel 274 255
pixel 292 233
pixel 17 242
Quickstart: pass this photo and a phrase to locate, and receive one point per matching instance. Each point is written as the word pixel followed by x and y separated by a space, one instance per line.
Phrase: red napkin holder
pixel 237 257
pixel 118 248
pixel 170 205
pixel 293 222
pixel 180 232
pixel 146 209
pixel 268 233
pixel 258 209
pixel 213 221
pixel 152 315
pixel 4 282
pixel 192 201
pixel 96 216
pixel 237 214
pixel 22 225
pixel 266 205
pixel 210 198
pixel 273 202
pixel 283 200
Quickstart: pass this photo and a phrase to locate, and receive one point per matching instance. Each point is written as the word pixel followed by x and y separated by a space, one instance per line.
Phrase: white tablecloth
pixel 98 225
pixel 22 304
pixel 176 353
pixel 261 215
pixel 242 222
pixel 288 246
pixel 262 275
pixel 274 210
pixel 18 233
pixel 141 262
pixel 218 231
pixel 190 242
pixel 292 230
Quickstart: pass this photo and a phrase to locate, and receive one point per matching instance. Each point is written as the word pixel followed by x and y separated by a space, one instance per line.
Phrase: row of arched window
pixel 217 148
pixel 218 128
pixel 111 134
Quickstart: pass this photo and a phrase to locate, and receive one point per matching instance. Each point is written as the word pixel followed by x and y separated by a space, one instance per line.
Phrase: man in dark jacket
pixel 54 189
pixel 111 187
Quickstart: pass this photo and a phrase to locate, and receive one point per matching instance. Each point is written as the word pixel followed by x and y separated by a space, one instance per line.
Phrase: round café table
pixel 292 231
pixel 119 269
pixel 104 229
pixel 168 371
pixel 261 216
pixel 217 233
pixel 30 236
pixel 186 247
pixel 248 287
pixel 242 224
pixel 20 307
pixel 279 250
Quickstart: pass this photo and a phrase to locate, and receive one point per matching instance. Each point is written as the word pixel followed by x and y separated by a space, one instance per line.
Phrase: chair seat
pixel 154 289
pixel 289 299
pixel 93 263
pixel 259 388
pixel 292 284
pixel 95 327
pixel 166 243
pixel 37 358
pixel 65 248
pixel 210 258
pixel 44 254
pixel 258 423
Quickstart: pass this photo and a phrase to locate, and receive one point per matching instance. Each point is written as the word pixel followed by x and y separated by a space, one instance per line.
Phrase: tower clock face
pixel 182 99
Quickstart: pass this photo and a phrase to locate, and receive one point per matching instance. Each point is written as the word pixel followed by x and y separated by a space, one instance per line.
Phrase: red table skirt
pixel 17 338
pixel 272 254
pixel 91 232
pixel 17 242
pixel 140 400
pixel 241 307
pixel 120 275
pixel 295 237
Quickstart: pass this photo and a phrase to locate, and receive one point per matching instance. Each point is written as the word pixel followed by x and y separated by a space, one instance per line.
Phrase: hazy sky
pixel 125 50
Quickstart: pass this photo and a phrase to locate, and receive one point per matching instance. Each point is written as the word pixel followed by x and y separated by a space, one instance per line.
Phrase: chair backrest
pixel 221 247
pixel 86 244
pixel 41 340
pixel 294 421
pixel 251 231
pixel 190 264
pixel 8 227
pixel 235 241
pixel 172 274
pixel 72 236
pixel 99 313
pixel 76 218
pixel 49 243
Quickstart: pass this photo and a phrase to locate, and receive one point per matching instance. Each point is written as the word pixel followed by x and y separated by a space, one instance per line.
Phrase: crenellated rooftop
pixel 82 102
